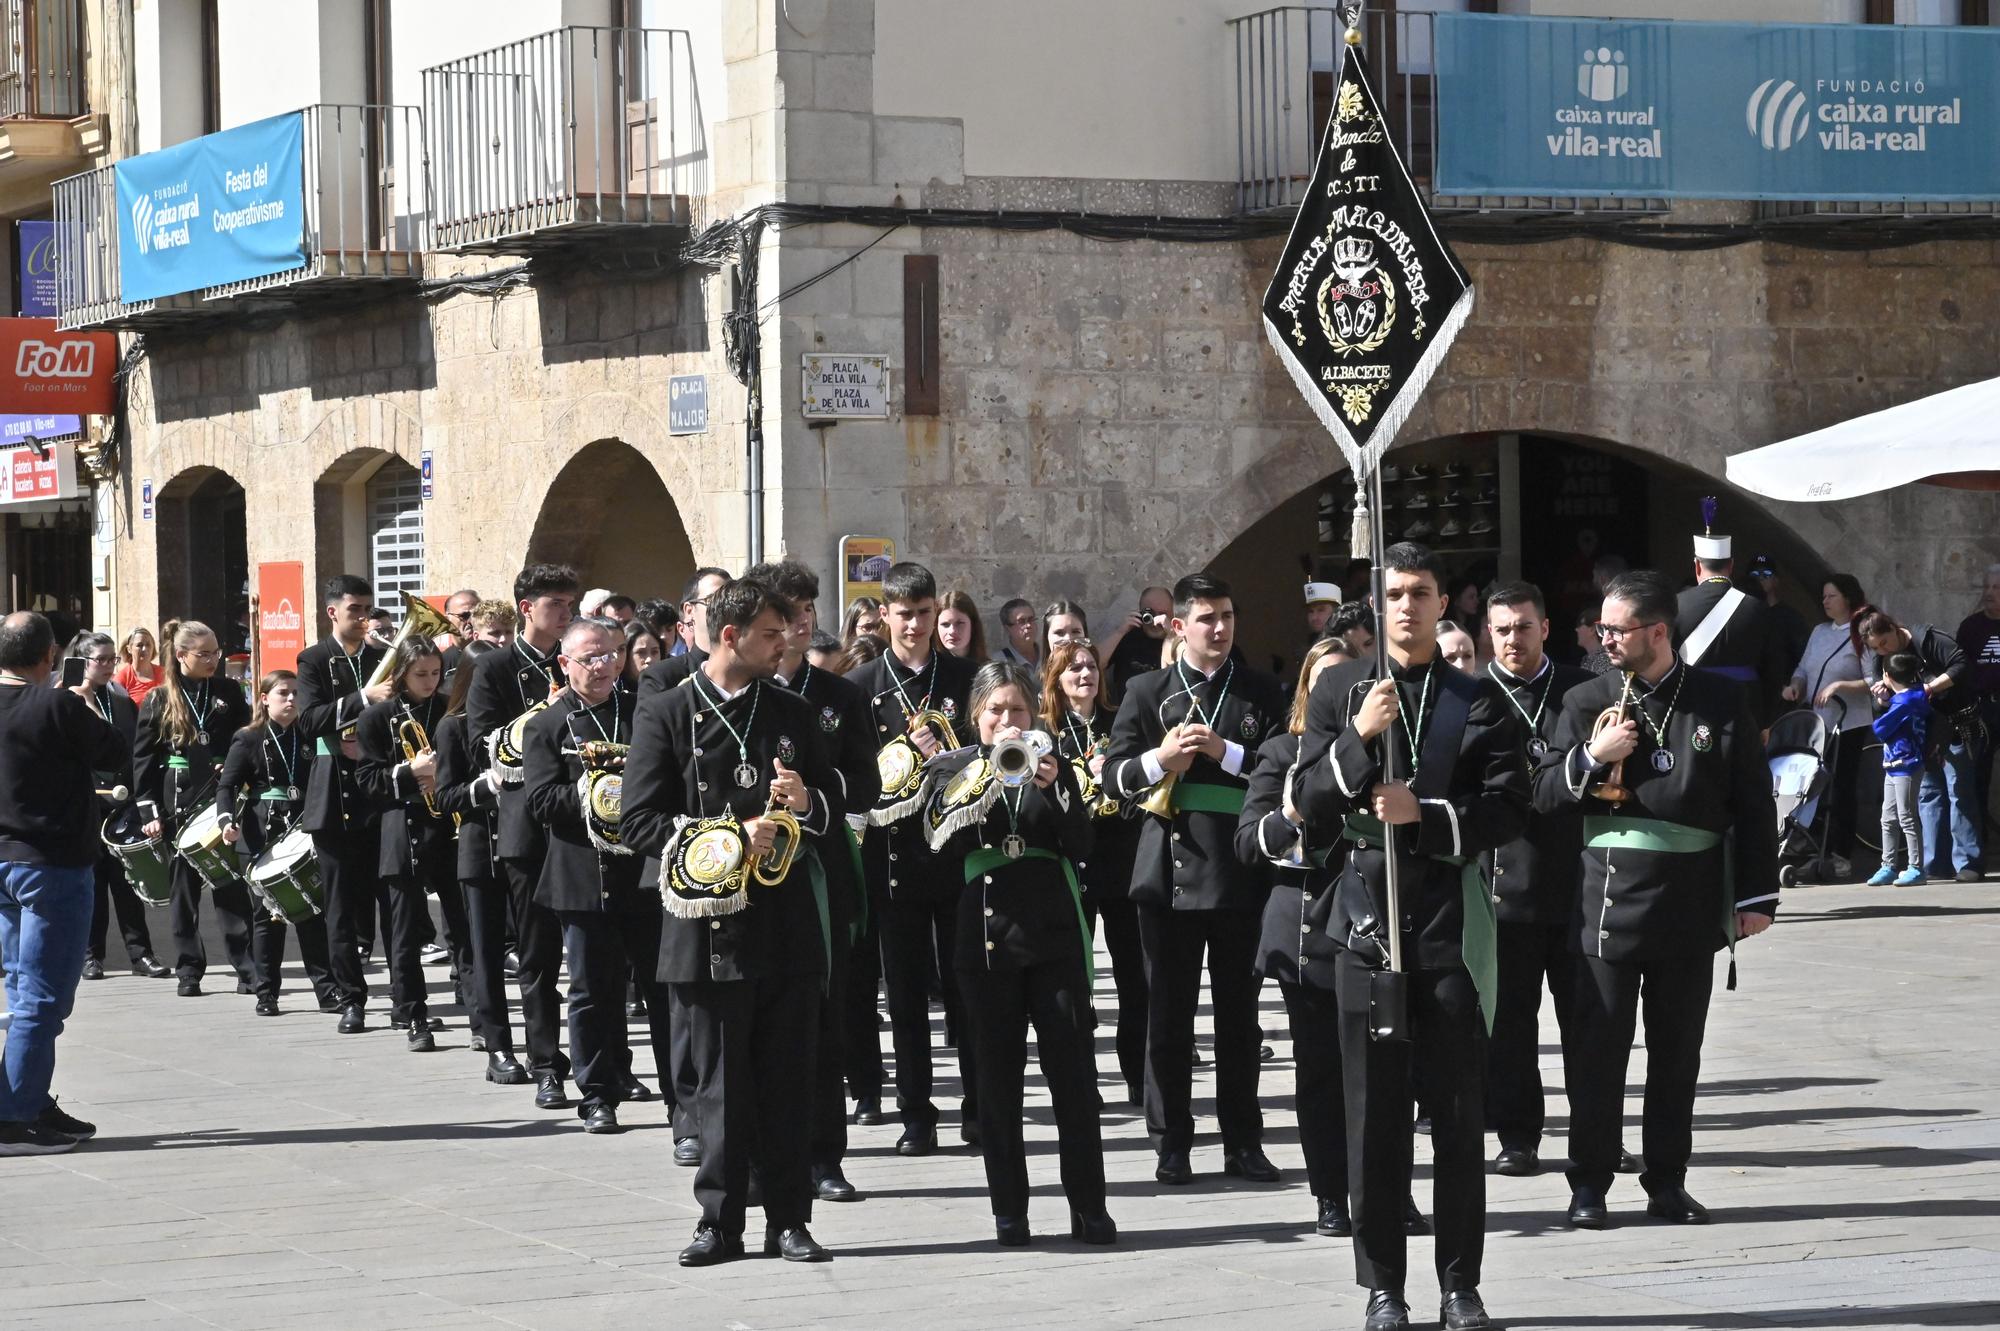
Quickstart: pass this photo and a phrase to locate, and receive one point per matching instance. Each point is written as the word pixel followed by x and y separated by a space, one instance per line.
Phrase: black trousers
pixel 267 946
pixel 1322 1107
pixel 638 937
pixel 681 1074
pixel 114 891
pixel 918 929
pixel 1675 994
pixel 600 1050
pixel 1529 954
pixel 829 1096
pixel 409 907
pixel 232 912
pixel 538 943
pixel 1174 942
pixel 347 861
pixel 999 1006
pixel 485 987
pixel 1447 1041
pixel 1120 923
pixel 752 1045
pixel 860 1010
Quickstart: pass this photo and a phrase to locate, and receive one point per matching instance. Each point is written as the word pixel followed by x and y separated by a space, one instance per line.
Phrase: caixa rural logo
pixel 72 358
pixel 1847 115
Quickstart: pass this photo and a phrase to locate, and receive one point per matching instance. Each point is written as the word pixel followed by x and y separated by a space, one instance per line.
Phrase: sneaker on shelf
pixel 1454 499
pixel 1481 527
pixel 1326 504
pixel 1450 529
pixel 1420 531
pixel 1422 471
pixel 1490 495
pixel 1325 532
pixel 1391 472
pixel 1418 500
pixel 1456 471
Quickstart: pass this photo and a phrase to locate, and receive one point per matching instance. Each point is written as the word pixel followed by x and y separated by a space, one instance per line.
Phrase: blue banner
pixel 35 254
pixel 16 429
pixel 1716 110
pixel 220 208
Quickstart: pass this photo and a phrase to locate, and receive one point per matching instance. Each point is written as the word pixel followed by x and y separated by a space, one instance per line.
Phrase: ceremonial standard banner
pixel 1367 297
pixel 217 209
pixel 1716 110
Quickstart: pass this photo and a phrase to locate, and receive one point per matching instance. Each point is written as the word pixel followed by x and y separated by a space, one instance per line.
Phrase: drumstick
pixel 116 794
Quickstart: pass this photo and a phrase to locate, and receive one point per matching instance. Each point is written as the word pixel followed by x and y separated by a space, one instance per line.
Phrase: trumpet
pixel 1160 799
pixel 602 755
pixel 1613 790
pixel 1015 760
pixel 414 739
pixel 770 867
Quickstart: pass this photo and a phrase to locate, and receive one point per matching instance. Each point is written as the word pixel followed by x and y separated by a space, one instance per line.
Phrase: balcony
pixel 1286 60
pixel 571 135
pixel 46 128
pixel 366 195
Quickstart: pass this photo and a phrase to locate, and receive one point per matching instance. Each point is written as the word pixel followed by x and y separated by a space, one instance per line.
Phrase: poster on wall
pixel 864 562
pixel 29 476
pixel 35 260
pixel 281 615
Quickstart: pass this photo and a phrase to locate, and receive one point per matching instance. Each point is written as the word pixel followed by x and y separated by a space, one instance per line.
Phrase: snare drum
pixel 286 878
pixel 201 845
pixel 148 866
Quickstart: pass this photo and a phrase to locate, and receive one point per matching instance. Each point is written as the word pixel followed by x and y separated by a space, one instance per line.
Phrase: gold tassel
pixel 1361 542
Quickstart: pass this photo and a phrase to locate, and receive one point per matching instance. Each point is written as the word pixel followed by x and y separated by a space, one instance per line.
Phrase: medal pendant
pixel 1013 845
pixel 201 736
pixel 746 776
pixel 291 792
pixel 1663 761
pixel 1538 747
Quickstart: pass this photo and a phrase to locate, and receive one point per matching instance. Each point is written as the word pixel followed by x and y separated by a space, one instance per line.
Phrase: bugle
pixel 769 867
pixel 1160 799
pixel 1613 790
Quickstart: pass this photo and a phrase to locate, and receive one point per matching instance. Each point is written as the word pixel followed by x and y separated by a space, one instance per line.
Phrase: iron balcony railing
pixel 41 60
pixel 578 129
pixel 366 192
pixel 1286 64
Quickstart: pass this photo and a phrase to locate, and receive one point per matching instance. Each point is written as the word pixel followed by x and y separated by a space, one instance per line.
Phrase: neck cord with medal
pixel 200 713
pixel 1013 845
pixel 746 773
pixel 290 759
pixel 103 703
pixel 1535 740
pixel 1208 718
pixel 929 689
pixel 353 663
pixel 590 710
pixel 1414 734
pixel 527 654
pixel 1663 757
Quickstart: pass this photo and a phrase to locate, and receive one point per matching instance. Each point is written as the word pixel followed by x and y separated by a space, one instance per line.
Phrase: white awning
pixel 1952 438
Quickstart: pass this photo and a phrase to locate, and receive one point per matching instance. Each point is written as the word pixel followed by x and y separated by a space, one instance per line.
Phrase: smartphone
pixel 73 667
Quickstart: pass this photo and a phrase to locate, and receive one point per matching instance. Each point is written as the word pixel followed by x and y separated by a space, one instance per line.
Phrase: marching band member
pixel 915 889
pixel 466 789
pixel 844 727
pixel 1198 720
pixel 590 881
pixel 398 772
pixel 333 690
pixel 1023 951
pixel 505 685
pixel 183 727
pixel 671 670
pixel 1073 708
pixel 113 889
pixel 260 796
pixel 1461 790
pixel 718 767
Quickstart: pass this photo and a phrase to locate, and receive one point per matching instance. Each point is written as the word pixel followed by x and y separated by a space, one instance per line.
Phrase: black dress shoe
pixel 421 1041
pixel 1333 1219
pixel 634 1089
pixel 267 1005
pixel 1250 1164
pixel 1587 1210
pixel 329 1005
pixel 602 1118
pixel 868 1110
pixel 1517 1162
pixel 1463 1310
pixel 1413 1219
pixel 1627 1162
pixel 830 1185
pixel 1174 1168
pixel 710 1246
pixel 151 968
pixel 245 987
pixel 430 1024
pixel 353 1021
pixel 1387 1311
pixel 687 1151
pixel 1010 1231
pixel 1097 1227
pixel 635 1008
pixel 503 1070
pixel 93 969
pixel 1674 1204
pixel 794 1244
pixel 189 989
pixel 549 1092
pixel 1265 1053
pixel 1422 1127
pixel 968 1132
pixel 917 1141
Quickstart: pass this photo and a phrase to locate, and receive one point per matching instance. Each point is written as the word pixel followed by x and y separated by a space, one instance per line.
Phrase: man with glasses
pixel 100 658
pixel 693 635
pixel 1679 860
pixel 1017 617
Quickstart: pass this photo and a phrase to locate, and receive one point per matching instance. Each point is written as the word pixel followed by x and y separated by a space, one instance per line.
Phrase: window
pixel 395 535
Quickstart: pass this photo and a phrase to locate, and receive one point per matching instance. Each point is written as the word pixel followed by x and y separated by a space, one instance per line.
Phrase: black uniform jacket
pixel 1108 871
pixel 411 835
pixel 682 766
pixel 576 875
pixel 1296 946
pixel 116 706
pixel 907 866
pixel 849 737
pixel 1189 862
pixel 263 760
pixel 1535 878
pixel 1021 913
pixel 166 792
pixel 330 701
pixel 1641 905
pixel 1749 641
pixel 1471 785
pixel 504 685
pixel 463 788
pixel 668 671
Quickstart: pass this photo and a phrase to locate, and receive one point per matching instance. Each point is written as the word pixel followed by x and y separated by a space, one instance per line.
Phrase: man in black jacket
pixel 51 744
pixel 1680 859
pixel 693 650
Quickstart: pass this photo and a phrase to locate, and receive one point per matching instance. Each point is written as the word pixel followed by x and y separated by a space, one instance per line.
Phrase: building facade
pixel 476 364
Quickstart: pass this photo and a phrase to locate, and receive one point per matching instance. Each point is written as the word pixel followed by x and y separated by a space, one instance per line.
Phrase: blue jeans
pixel 44 927
pixel 1949 793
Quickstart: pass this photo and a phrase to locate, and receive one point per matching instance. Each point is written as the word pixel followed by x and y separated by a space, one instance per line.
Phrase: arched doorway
pixel 1500 506
pixel 202 554
pixel 368 518
pixel 609 515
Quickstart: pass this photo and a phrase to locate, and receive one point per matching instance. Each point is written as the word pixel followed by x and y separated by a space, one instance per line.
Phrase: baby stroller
pixel 1796 754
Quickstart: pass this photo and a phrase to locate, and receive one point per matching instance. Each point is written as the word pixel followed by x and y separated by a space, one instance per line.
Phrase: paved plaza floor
pixel 267 1173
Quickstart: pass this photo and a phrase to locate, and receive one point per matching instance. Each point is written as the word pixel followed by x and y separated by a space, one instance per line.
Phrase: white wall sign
pixel 27 478
pixel 844 387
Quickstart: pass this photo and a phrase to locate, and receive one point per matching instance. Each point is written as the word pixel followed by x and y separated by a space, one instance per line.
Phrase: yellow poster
pixel 864 561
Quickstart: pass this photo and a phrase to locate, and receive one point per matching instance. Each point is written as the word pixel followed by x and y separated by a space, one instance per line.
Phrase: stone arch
pixel 609 514
pixel 201 552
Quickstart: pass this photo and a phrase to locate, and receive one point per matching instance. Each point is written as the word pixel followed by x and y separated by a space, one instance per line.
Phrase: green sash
pixel 321 749
pixel 1478 943
pixel 1665 838
pixel 1201 797
pixel 982 862
pixel 857 930
pixel 816 875
pixel 176 763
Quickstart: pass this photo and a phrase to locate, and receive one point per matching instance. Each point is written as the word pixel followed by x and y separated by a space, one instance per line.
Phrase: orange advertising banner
pixel 282 615
pixel 42 370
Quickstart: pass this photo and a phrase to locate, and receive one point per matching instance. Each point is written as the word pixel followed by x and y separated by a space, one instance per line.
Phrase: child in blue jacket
pixel 1902 729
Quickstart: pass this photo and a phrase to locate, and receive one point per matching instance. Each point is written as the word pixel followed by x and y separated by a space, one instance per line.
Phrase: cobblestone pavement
pixel 266 1173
